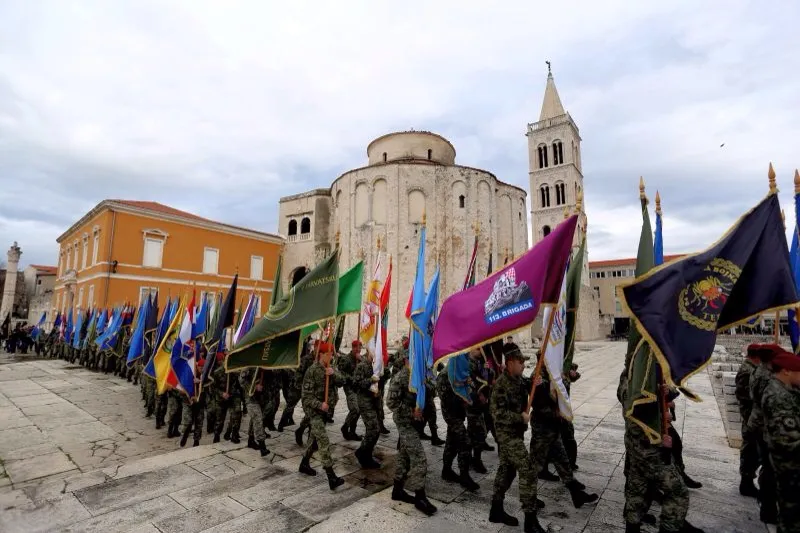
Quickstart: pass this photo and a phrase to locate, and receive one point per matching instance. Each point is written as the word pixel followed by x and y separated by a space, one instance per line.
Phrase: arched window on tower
pixel 292 227
pixel 542 151
pixel 430 154
pixel 544 194
pixel 384 156
pixel 558 153
pixel 305 225
pixel 561 196
pixel 545 231
pixel 461 201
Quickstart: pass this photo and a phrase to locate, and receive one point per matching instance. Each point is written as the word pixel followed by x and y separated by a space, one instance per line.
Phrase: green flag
pixel 274 342
pixel 351 284
pixel 574 275
pixel 277 287
pixel 638 388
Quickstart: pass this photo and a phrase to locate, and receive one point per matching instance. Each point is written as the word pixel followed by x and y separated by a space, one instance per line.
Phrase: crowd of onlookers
pixel 16 339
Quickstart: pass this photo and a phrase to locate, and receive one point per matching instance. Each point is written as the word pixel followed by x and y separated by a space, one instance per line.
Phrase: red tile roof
pixel 161 208
pixel 46 269
pixel 627 262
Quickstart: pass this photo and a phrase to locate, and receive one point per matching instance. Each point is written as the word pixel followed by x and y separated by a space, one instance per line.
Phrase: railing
pixel 300 238
pixel 550 122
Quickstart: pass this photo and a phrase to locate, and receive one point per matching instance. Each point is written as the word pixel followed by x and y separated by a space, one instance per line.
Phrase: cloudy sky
pixel 220 108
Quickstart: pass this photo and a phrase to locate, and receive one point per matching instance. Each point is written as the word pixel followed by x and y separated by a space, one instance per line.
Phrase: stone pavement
pixel 76 454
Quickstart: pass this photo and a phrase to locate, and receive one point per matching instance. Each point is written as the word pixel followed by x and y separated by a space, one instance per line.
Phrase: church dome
pixel 411 146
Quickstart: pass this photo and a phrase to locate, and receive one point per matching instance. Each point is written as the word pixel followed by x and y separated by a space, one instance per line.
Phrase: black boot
pixel 692 484
pixel 532 524
pixel 282 423
pixel 333 480
pixel 547 475
pixel 689 528
pixel 227 435
pixel 306 469
pixel 235 438
pixel 366 460
pixel 262 447
pixel 159 422
pixel 477 463
pixel 768 513
pixel 498 515
pixel 217 437
pixel 421 502
pixel 210 423
pixel 271 424
pixel 251 442
pixel 196 442
pixel 466 481
pixel 747 488
pixel 298 436
pixel 633 528
pixel 448 474
pixel 435 440
pixel 400 495
pixel 580 496
pixel 185 436
pixel 353 435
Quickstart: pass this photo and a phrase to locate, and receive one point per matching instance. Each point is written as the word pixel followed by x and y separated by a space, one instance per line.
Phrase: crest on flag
pixel 701 303
pixel 507 298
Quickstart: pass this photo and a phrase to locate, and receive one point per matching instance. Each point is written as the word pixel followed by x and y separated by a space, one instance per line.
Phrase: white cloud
pixel 243 102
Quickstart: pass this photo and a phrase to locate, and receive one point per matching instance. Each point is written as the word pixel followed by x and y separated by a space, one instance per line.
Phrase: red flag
pixel 387 287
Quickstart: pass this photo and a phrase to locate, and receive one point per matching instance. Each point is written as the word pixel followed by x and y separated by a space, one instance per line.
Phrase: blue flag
pixel 417 355
pixel 68 328
pixel 680 307
pixel 76 334
pixel 158 336
pixel 37 330
pixel 137 344
pixel 658 242
pixel 431 312
pixel 794 258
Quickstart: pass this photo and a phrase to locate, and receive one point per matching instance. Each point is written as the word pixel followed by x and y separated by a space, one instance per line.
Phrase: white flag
pixel 554 351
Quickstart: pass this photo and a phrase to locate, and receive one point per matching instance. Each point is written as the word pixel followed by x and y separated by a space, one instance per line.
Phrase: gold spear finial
pixel 379 243
pixel 796 182
pixel 566 213
pixel 338 236
pixel 658 203
pixel 773 186
pixel 477 226
pixel 424 216
pixel 641 188
pixel 579 201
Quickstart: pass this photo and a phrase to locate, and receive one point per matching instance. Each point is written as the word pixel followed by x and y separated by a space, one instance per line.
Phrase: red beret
pixel 405 342
pixel 220 357
pixel 326 347
pixel 787 361
pixel 755 350
pixel 201 363
pixel 356 343
pixel 769 351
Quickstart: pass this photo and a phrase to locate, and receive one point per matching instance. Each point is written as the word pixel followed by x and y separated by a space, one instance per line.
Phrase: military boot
pixel 421 502
pixel 185 436
pixel 580 496
pixel 366 460
pixel 353 435
pixel 262 447
pixel 748 488
pixel 532 524
pixel 477 463
pixel 283 422
pixel 251 442
pixel 467 482
pixel 227 435
pixel 692 484
pixel 435 440
pixel 217 437
pixel 305 468
pixel 235 438
pixel 399 494
pixel 447 471
pixel 633 528
pixel 689 528
pixel 547 475
pixel 333 480
pixel 196 442
pixel 498 515
pixel 298 436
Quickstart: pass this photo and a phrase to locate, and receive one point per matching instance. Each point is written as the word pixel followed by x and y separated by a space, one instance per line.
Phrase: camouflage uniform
pixel 192 418
pixel 230 384
pixel 291 397
pixel 306 361
pixel 411 462
pixel 454 413
pixel 361 382
pixel 256 403
pixel 313 398
pixel 646 471
pixel 748 453
pixel 272 398
pixel 755 424
pixel 476 423
pixel 781 407
pixel 546 434
pixel 398 360
pixel 346 366
pixel 174 411
pixel 509 400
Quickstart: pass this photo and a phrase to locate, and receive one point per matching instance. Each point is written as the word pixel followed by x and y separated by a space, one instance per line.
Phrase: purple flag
pixel 507 300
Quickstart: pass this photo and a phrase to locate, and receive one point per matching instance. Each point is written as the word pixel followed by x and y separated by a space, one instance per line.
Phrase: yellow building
pixel 123 250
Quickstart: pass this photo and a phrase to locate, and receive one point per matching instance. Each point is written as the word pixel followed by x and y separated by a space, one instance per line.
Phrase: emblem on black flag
pixel 700 304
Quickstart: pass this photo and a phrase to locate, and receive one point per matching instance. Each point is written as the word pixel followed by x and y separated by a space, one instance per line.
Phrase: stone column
pixel 10 287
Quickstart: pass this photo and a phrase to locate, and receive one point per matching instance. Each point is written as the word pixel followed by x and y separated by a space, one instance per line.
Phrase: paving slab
pixel 39 466
pixel 273 519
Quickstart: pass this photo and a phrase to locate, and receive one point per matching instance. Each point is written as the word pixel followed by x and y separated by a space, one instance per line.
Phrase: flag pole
pixel 327 365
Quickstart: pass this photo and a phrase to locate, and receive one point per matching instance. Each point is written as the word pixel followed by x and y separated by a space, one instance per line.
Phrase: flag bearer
pixel 456 443
pixel 748 452
pixel 256 401
pixel 346 365
pixel 766 478
pixel 365 385
pixel 476 422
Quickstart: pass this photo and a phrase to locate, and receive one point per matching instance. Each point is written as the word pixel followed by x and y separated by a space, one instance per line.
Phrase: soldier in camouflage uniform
pixel 194 410
pixel 411 466
pixel 256 402
pixel 291 397
pixel 476 423
pixel 780 404
pixel 748 453
pixel 508 404
pixel 457 441
pixel 346 366
pixel 315 405
pixel 365 385
pixel 174 412
pixel 567 434
pixel 546 441
pixel 398 359
pixel 230 394
pixel 755 424
pixel 272 389
pixel 306 361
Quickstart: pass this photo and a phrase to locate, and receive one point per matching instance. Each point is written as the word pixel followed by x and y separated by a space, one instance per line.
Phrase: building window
pixel 558 153
pixel 75 256
pixel 61 265
pixel 210 261
pixel 85 253
pixel 461 201
pixel 520 215
pixel 147 292
pixel 430 154
pixel 256 267
pixel 544 193
pixel 90 303
pixel 58 301
pixel 292 227
pixel 546 231
pixel 96 247
pixel 561 194
pixel 305 226
pixel 257 304
pixel 542 152
pixel 153 252
pixel 384 157
pixel 80 298
pixel 69 259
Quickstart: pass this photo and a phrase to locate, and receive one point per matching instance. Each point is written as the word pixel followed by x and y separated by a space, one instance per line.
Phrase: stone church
pixel 411 178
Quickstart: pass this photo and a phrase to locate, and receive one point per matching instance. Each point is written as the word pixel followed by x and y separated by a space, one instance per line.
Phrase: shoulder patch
pixel 790 423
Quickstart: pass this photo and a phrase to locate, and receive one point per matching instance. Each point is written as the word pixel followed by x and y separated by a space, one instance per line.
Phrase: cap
pixel 512 351
pixel 769 351
pixel 356 343
pixel 201 363
pixel 220 357
pixel 755 351
pixel 326 347
pixel 787 361
pixel 405 342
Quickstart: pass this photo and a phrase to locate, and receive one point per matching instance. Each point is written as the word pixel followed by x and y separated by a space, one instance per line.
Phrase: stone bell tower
pixel 10 287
